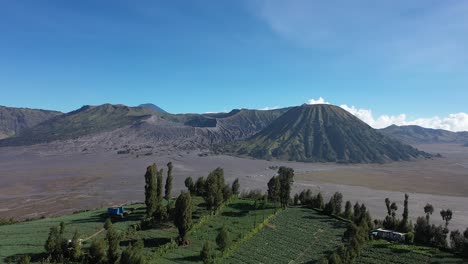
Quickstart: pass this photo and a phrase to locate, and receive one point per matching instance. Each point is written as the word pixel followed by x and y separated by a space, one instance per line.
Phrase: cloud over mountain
pixel 452 122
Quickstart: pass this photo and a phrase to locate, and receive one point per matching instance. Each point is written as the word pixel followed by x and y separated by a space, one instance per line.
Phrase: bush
pixel 206 255
pixel 222 240
pixel 409 239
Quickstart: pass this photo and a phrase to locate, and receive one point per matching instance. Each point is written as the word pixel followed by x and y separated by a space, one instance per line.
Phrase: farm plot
pixel 382 252
pixel 240 217
pixel 297 235
pixel 29 237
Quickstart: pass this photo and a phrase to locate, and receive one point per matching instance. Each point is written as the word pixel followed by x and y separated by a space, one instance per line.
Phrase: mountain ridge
pixel 13 120
pixel 414 134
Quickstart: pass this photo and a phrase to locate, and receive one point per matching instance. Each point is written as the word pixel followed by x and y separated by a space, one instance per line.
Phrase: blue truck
pixel 117 211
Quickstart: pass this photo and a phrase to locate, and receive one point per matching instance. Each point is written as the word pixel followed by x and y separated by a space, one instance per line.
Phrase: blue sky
pixel 397 57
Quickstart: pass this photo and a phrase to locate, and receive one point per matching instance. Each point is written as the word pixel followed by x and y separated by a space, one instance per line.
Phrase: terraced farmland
pixel 383 252
pixel 297 235
pixel 240 217
pixel 29 237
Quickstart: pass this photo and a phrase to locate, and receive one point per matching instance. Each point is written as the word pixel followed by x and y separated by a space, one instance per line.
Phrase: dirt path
pixel 95 234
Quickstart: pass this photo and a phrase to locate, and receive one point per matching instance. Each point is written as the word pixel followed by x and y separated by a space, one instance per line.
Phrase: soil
pixel 40 181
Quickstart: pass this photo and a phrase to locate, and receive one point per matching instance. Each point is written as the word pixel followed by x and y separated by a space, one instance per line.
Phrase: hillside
pixel 14 120
pixel 84 121
pixel 421 135
pixel 127 128
pixel 324 133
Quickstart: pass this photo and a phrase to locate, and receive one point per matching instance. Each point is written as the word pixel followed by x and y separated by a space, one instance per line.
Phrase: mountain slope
pixel 14 120
pixel 153 107
pixel 119 126
pixel 420 135
pixel 324 133
pixel 84 121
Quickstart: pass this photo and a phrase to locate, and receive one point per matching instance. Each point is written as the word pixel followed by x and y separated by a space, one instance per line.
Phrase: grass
pixel 29 237
pixel 382 252
pixel 240 217
pixel 297 235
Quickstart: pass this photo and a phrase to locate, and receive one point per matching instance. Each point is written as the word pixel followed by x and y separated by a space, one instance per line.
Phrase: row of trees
pixel 279 187
pixel 155 210
pixel 213 189
pixel 101 251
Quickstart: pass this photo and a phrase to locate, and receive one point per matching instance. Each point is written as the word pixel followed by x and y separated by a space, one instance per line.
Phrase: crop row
pixel 297 234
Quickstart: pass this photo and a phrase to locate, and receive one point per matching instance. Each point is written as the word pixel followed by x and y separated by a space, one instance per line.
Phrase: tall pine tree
pixel 168 187
pixel 150 190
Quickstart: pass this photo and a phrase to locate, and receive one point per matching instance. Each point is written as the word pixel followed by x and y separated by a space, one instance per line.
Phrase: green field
pixel 382 252
pixel 240 217
pixel 29 237
pixel 297 235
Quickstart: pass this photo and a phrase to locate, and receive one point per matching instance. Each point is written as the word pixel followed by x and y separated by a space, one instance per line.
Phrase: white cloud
pixel 318 101
pixel 270 108
pixel 452 122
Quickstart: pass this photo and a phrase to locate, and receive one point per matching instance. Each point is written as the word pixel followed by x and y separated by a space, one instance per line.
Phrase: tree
pixel 337 203
pixel 296 199
pixel 394 208
pixel 236 187
pixel 334 259
pixel 133 254
pixel 286 179
pixel 404 222
pixel 168 186
pixel 75 246
pixel 62 228
pixel 150 190
pixel 446 216
pixel 189 184
pixel 159 187
pixel 214 186
pixel 183 216
pixel 97 252
pixel 387 204
pixel 107 224
pixel 348 213
pixel 113 241
pixel 428 210
pixel 334 205
pixel 200 186
pixel 227 192
pixel 206 255
pixel 274 189
pixel 24 260
pixel 55 243
pixel 318 201
pixel 222 240
pixel 457 241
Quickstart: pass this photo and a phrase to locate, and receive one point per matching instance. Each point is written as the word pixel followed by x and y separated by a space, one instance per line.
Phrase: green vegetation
pixel 296 234
pixel 183 216
pixel 239 217
pixel 383 252
pixel 316 133
pixel 29 237
pixel 256 228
